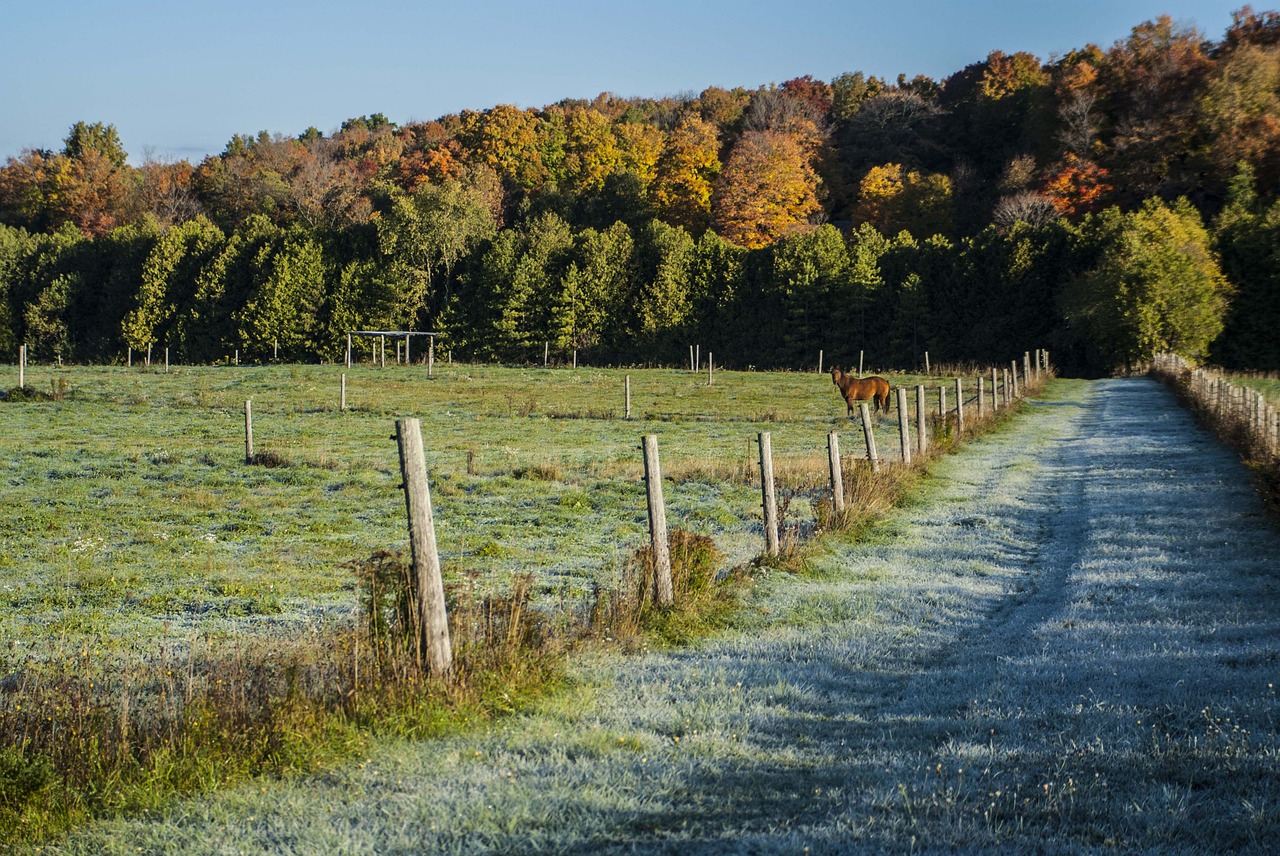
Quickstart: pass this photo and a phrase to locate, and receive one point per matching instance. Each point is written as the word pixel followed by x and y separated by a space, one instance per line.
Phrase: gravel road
pixel 1071 644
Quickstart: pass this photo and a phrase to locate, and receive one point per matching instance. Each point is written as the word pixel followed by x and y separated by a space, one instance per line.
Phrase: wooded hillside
pixel 1107 204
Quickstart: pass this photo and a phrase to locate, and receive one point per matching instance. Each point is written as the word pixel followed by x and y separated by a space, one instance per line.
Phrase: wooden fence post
pixel 431 355
pixel 837 475
pixel 942 404
pixel 342 396
pixel 859 363
pixel 129 356
pixel 626 383
pixel 981 393
pixel 692 368
pixel 819 361
pixel 348 350
pixel 433 619
pixel 959 408
pixel 149 346
pixel 22 365
pixel 166 360
pixel 1013 364
pixel 248 431
pixel 904 426
pixel 767 494
pixel 710 368
pixel 927 371
pixel 995 392
pixel 662 586
pixel 1026 368
pixel 546 353
pixel 868 432
pixel 922 421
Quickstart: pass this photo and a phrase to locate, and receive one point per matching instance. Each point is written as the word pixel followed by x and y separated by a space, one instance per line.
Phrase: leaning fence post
pixel 433 619
pixel 767 494
pixel 959 408
pixel 248 431
pixel 662 586
pixel 904 427
pixel 868 432
pixel 922 421
pixel 837 475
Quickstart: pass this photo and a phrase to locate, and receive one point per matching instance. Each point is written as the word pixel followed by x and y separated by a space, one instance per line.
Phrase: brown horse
pixel 861 389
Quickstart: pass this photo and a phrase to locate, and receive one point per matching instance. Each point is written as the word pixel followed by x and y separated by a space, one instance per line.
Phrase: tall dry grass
pixel 1241 417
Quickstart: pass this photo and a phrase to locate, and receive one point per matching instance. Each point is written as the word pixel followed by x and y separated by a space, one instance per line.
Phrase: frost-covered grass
pixel 130 513
pixel 1068 643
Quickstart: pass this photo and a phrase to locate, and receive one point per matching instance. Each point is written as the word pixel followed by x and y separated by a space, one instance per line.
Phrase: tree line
pixel 1105 204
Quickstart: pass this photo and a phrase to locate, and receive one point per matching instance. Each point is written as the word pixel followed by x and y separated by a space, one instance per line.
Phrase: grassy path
pixel 1071 643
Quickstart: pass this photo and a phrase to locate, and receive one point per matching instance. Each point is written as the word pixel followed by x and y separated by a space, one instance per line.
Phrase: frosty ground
pixel 1070 642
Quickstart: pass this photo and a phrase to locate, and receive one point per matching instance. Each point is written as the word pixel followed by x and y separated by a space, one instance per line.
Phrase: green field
pixel 1269 387
pixel 132 515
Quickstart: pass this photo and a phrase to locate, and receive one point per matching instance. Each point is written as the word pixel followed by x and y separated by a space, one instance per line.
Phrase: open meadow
pixel 132 515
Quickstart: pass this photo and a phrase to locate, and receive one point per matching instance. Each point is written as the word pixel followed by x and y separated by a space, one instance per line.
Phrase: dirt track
pixel 1073 645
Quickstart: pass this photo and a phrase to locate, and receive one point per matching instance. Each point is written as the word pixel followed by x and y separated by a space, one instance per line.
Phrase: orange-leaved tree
pixel 768 189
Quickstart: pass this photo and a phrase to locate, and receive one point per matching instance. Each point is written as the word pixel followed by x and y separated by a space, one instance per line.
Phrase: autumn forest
pixel 1107 204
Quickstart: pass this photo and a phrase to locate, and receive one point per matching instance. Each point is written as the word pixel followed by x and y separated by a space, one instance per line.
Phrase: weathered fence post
pixel 837 475
pixel 348 350
pixel 149 346
pixel 767 494
pixel 926 363
pixel 692 368
pixel 868 432
pixel 959 407
pixel 662 586
pixel 859 363
pixel 1026 368
pixel 904 426
pixel 626 384
pixel 248 431
pixel 710 368
pixel 129 356
pixel 22 365
pixel 342 395
pixel 981 393
pixel 166 360
pixel 697 357
pixel 819 361
pixel 995 392
pixel 546 353
pixel 433 619
pixel 922 421
pixel 942 405
pixel 431 355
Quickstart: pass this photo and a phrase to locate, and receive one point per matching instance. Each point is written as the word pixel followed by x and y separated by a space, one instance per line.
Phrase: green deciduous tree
pixel 1156 286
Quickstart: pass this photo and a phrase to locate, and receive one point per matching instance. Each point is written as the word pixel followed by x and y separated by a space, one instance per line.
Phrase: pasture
pixel 132 515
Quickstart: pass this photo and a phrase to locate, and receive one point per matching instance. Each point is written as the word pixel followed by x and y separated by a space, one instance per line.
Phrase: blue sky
pixel 179 78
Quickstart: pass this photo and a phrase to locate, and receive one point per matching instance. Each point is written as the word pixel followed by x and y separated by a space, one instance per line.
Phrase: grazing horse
pixel 861 389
